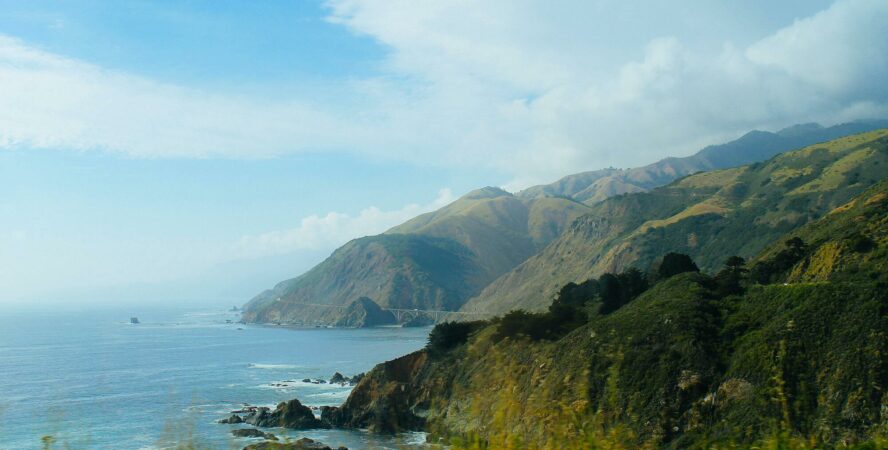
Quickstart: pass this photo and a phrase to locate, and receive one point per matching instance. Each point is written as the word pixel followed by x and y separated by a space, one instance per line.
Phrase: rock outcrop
pixel 291 414
pixel 364 313
pixel 301 444
pixel 253 433
pixel 388 399
pixel 232 419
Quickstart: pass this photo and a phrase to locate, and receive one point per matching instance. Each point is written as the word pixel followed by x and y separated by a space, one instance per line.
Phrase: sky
pixel 172 151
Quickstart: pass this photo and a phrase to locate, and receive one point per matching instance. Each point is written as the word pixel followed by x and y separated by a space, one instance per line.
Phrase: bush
pixel 729 281
pixel 617 290
pixel 770 270
pixel 674 264
pixel 448 335
pixel 536 326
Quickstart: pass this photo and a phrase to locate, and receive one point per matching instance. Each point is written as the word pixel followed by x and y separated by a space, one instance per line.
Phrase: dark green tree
pixel 611 293
pixel 447 335
pixel 674 264
pixel 729 280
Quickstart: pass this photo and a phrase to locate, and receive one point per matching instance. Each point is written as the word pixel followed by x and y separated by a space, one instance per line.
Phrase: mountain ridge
pixel 735 210
pixel 484 235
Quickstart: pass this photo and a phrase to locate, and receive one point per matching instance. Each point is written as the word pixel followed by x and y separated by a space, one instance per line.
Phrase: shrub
pixel 447 335
pixel 674 264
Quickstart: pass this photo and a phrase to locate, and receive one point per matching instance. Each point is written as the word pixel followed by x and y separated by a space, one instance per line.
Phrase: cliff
pixel 797 362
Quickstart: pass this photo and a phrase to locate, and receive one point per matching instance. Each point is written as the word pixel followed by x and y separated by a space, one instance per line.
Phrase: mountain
pixel 595 186
pixel 441 259
pixel 708 216
pixel 797 362
pixel 435 261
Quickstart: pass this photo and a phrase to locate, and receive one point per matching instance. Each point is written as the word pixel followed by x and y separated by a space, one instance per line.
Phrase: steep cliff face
pixel 683 365
pixel 674 368
pixel 707 215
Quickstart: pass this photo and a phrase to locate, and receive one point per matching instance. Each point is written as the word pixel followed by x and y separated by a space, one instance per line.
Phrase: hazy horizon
pixel 172 153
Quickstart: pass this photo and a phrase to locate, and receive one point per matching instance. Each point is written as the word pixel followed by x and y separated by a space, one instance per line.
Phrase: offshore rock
pixel 301 444
pixel 291 414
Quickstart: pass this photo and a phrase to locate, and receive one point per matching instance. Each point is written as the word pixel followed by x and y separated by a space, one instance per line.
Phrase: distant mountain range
pixel 491 250
pixel 709 216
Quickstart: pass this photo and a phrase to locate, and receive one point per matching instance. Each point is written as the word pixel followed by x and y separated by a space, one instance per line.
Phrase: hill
pixel 435 261
pixel 794 363
pixel 595 186
pixel 708 215
pixel 441 259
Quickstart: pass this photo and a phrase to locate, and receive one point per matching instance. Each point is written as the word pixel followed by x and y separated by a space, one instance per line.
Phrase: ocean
pixel 92 380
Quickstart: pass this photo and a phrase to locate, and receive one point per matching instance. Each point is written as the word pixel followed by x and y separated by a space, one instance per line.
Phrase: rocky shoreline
pixel 291 414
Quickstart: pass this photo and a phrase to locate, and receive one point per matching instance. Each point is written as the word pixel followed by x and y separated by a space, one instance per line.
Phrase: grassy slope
pixel 678 367
pixel 708 216
pixel 596 186
pixel 435 261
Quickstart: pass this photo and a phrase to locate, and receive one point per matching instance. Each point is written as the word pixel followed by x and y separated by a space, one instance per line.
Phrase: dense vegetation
pixel 708 216
pixel 435 261
pixel 719 360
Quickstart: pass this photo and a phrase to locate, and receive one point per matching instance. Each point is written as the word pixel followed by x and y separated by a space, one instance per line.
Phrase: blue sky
pixel 204 150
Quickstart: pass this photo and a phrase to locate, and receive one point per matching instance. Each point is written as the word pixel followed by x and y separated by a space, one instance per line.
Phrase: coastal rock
pixel 385 400
pixel 291 414
pixel 353 381
pixel 364 313
pixel 253 433
pixel 301 444
pixel 338 378
pixel 234 418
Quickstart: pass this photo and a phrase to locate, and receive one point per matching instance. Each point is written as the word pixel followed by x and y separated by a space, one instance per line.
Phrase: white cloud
pixel 540 92
pixel 332 230
pixel 48 101
pixel 531 89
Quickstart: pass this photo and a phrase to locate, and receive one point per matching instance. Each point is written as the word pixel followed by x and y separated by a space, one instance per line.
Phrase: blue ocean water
pixel 91 380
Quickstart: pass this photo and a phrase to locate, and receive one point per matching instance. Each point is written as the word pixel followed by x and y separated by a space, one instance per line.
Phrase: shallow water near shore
pixel 90 379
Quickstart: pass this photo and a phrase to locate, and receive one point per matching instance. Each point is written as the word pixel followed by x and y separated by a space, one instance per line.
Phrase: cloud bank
pixel 531 90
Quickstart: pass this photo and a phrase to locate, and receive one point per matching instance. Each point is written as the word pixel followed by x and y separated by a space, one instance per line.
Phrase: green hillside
pixel 441 259
pixel 435 261
pixel 708 216
pixel 596 186
pixel 798 362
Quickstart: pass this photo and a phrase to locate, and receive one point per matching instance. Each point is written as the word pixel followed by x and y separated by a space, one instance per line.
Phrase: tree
pixel 674 264
pixel 633 283
pixel 611 293
pixel 447 335
pixel 735 264
pixel 536 326
pixel 729 279
pixel 766 271
pixel 577 295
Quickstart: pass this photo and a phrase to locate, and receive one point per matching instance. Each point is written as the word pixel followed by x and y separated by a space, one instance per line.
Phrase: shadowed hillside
pixel 595 186
pixel 441 259
pixel 434 262
pixel 796 362
pixel 708 216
